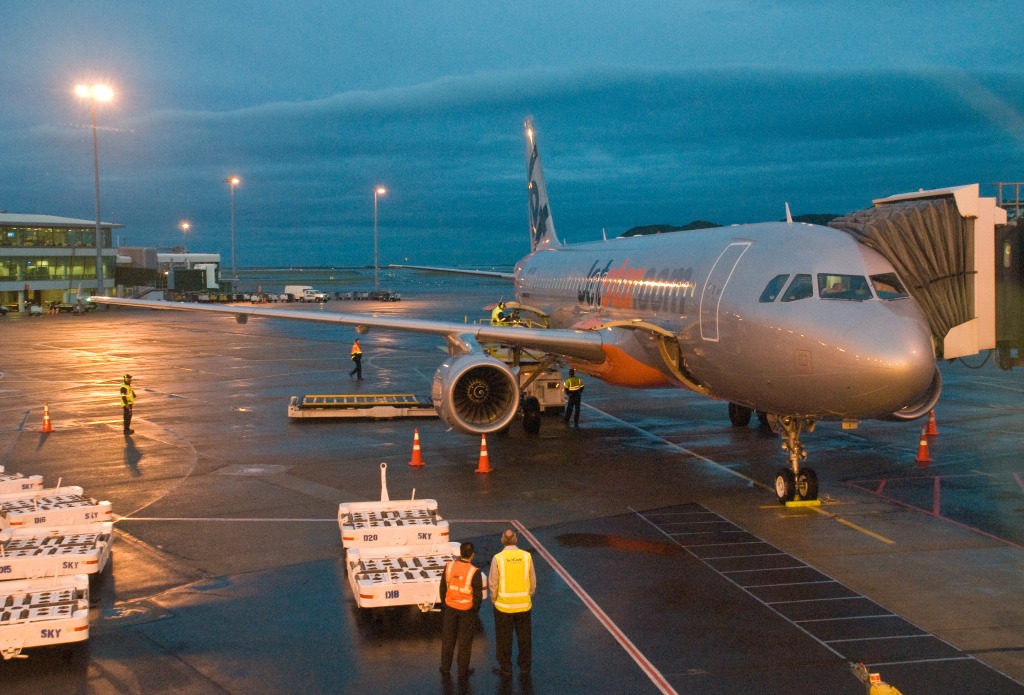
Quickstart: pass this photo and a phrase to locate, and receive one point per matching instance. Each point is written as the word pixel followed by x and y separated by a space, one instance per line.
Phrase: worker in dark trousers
pixel 461 591
pixel 574 395
pixel 512 583
pixel 127 402
pixel 357 357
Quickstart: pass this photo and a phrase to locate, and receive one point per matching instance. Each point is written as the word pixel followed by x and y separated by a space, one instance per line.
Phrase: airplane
pixel 794 321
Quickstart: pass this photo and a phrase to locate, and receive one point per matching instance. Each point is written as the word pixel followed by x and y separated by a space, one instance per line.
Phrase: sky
pixel 658 112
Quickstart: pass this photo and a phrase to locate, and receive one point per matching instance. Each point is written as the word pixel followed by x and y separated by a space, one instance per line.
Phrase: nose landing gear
pixel 794 482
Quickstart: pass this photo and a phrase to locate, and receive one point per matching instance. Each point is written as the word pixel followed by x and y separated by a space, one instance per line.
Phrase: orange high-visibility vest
pixel 458 575
pixel 356 350
pixel 513 594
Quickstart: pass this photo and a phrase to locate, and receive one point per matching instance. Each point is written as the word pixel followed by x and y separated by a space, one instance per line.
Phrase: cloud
pixel 621 147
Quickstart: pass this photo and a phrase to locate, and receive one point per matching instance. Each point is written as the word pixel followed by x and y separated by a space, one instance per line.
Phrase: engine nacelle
pixel 475 393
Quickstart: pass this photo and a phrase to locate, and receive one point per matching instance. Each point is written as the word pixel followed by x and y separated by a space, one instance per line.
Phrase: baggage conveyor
pixel 369 405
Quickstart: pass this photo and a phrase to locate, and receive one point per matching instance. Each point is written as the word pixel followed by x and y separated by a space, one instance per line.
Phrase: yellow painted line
pixel 830 515
pixel 854 526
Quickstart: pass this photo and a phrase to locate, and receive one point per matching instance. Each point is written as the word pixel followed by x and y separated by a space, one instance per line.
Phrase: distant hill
pixel 822 219
pixel 664 228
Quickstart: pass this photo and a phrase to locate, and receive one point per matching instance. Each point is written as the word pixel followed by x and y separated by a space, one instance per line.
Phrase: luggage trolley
pixel 395 550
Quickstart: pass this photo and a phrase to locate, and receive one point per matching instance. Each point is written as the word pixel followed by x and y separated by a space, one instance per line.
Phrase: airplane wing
pixel 459 271
pixel 582 345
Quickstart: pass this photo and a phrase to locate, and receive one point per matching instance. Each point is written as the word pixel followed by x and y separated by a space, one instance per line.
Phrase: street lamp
pixel 185 226
pixel 378 191
pixel 233 181
pixel 95 93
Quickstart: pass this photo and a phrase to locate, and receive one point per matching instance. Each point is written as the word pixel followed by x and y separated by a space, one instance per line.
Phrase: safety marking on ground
pixel 932 503
pixel 677 447
pixel 652 672
pixel 642 661
pixel 846 623
pixel 726 468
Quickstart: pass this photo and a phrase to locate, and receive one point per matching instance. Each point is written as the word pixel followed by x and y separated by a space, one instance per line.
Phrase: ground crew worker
pixel 357 357
pixel 127 401
pixel 512 582
pixel 462 590
pixel 574 394
pixel 498 315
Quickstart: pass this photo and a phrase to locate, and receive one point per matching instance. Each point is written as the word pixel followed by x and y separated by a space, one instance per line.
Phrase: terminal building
pixel 47 260
pixel 44 258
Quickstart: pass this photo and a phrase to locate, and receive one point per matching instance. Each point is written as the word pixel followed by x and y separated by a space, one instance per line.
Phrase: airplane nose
pixel 896 368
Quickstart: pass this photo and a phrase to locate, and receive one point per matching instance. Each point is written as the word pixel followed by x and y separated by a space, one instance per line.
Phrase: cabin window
pixel 774 287
pixel 836 286
pixel 888 286
pixel 800 288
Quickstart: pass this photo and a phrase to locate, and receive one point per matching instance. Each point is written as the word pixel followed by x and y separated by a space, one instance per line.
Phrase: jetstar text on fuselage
pixel 640 289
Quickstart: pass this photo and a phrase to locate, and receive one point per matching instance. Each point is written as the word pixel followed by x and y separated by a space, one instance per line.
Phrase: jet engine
pixel 475 393
pixel 925 403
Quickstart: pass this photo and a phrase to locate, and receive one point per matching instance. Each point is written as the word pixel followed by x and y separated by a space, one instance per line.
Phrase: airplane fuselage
pixel 861 356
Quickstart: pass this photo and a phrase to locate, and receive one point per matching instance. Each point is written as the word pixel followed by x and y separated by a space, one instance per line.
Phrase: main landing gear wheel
pixel 739 415
pixel 806 484
pixel 785 485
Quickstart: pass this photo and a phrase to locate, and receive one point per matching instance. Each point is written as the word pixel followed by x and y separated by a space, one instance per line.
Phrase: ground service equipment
pixel 43 612
pixel 370 405
pixel 29 553
pixel 16 482
pixel 52 508
pixel 395 550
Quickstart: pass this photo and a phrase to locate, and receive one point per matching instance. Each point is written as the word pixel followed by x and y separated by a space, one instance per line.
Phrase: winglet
pixel 789 216
pixel 542 228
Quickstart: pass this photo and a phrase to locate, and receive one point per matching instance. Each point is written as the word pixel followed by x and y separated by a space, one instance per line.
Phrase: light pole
pixel 378 191
pixel 95 93
pixel 185 226
pixel 233 181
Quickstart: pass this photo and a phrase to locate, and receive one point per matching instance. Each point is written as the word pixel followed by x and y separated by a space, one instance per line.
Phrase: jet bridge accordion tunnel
pixel 959 260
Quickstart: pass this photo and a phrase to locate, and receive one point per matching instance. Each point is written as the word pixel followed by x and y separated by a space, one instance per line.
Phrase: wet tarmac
pixel 664 565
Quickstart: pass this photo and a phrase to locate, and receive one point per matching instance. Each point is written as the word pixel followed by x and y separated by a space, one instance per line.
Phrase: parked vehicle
pixel 305 293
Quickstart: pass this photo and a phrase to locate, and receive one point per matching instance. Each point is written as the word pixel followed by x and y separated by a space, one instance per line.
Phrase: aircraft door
pixel 714 287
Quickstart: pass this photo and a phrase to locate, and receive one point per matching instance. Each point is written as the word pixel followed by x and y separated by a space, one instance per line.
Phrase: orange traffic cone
pixel 933 430
pixel 485 464
pixel 47 425
pixel 923 459
pixel 417 460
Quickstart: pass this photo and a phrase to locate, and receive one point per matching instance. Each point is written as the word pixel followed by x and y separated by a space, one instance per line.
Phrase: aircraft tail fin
pixel 542 228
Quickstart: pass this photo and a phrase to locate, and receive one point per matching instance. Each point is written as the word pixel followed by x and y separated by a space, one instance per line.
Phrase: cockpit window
pixel 836 286
pixel 800 288
pixel 775 285
pixel 888 286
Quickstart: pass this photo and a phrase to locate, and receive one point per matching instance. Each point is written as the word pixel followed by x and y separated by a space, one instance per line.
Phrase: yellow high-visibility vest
pixel 513 595
pixel 573 383
pixel 127 394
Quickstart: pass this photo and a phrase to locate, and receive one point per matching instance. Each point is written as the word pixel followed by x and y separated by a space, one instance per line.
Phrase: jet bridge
pixel 942 244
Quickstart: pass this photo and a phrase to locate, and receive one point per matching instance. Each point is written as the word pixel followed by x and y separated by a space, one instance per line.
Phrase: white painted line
pixel 848 617
pixel 657 678
pixel 768 569
pixel 642 661
pixel 875 639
